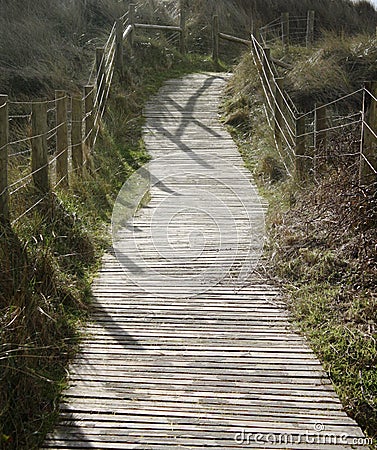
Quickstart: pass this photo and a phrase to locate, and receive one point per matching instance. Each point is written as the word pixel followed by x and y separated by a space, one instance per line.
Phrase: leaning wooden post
pixel 266 66
pixel 215 39
pixel 76 135
pixel 182 25
pixel 320 129
pixel 285 29
pixel 131 21
pixel 100 70
pixel 279 104
pixel 256 54
pixel 4 140
pixel 119 47
pixel 61 138
pixel 89 117
pixel 310 28
pixel 39 148
pixel 300 150
pixel 368 157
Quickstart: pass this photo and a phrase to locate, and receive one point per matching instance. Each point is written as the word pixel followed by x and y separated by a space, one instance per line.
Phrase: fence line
pixel 289 29
pixel 324 123
pixel 52 147
pixel 301 140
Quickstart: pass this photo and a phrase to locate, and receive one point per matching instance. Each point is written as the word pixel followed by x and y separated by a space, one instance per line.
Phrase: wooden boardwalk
pixel 188 349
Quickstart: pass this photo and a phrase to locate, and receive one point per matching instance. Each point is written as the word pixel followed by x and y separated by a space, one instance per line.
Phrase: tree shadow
pixel 177 137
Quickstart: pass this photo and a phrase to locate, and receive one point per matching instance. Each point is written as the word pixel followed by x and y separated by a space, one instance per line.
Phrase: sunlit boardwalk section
pixel 188 347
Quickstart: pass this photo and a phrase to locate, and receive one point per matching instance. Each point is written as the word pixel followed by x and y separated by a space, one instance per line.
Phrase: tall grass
pixel 338 66
pixel 236 16
pixel 47 44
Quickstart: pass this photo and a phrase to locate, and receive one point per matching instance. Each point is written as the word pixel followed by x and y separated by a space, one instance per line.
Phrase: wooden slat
pixel 175 360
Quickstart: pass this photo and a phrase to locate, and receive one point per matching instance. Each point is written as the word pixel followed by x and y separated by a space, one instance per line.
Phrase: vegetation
pixel 47 261
pixel 238 16
pixel 338 65
pixel 46 45
pixel 322 234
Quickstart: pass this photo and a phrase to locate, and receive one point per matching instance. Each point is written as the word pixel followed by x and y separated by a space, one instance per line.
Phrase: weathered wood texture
pixel 4 139
pixel 61 101
pixel 39 147
pixel 162 370
pixel 76 135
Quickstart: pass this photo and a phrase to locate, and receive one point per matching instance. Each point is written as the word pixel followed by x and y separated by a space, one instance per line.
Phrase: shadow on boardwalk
pixel 164 371
pixel 188 110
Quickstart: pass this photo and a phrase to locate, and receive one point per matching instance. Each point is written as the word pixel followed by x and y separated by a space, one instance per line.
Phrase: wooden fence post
pixel 4 140
pixel 119 47
pixel 100 70
pixel 252 25
pixel 310 28
pixel 89 116
pixel 76 135
pixel 61 138
pixel 39 149
pixel 267 65
pixel 182 25
pixel 300 150
pixel 279 104
pixel 215 39
pixel 285 29
pixel 320 128
pixel 131 20
pixel 368 157
pixel 256 54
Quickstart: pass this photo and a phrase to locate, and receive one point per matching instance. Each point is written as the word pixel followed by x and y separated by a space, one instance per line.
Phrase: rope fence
pixel 307 142
pixel 288 29
pixel 43 142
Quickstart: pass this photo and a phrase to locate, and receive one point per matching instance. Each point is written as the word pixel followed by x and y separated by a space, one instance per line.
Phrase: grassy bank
pixel 321 247
pixel 50 257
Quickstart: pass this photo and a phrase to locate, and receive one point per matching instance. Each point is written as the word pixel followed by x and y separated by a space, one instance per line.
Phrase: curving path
pixel 189 348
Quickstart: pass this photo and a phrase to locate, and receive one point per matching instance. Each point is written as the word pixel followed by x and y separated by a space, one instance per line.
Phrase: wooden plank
pixel 235 39
pixel 39 147
pixel 165 367
pixel 61 138
pixel 289 398
pixel 4 149
pixel 147 26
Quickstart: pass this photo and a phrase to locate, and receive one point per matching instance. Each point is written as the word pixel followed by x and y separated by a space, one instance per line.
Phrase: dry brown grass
pixel 337 66
pixel 46 45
